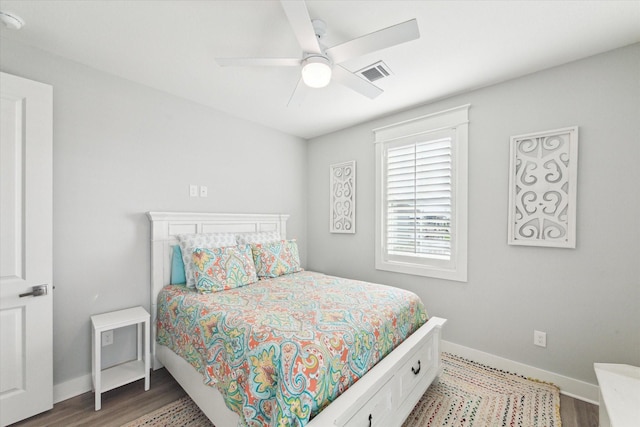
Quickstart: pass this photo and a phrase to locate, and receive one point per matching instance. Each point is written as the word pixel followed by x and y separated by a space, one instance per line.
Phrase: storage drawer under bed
pixel 421 367
pixel 392 402
pixel 375 412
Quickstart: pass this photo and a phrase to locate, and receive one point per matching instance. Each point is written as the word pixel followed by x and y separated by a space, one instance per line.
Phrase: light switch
pixel 203 191
pixel 193 190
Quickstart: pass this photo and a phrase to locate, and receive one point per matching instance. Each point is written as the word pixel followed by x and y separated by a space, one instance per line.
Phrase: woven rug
pixel 470 394
pixel 183 412
pixel 467 395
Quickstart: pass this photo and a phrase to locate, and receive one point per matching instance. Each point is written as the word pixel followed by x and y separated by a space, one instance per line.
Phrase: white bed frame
pixel 383 397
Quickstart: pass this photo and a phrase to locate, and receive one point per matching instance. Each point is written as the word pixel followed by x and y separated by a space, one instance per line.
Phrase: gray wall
pixel 587 298
pixel 121 149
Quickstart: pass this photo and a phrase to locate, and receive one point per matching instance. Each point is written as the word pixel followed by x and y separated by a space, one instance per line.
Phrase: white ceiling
pixel 171 46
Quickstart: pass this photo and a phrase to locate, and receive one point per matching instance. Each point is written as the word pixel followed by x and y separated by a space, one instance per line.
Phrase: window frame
pixel 455 121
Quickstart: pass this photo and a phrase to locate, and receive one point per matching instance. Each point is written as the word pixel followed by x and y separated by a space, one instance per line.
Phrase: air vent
pixel 374 72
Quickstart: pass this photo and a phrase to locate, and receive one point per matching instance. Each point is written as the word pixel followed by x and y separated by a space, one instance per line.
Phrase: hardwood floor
pixel 129 402
pixel 577 413
pixel 119 406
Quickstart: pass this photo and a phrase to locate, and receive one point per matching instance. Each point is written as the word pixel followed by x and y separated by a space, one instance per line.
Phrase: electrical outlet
pixel 107 338
pixel 193 190
pixel 540 338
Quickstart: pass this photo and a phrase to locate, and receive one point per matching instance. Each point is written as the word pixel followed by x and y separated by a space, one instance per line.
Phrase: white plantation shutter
pixel 418 199
pixel 421 195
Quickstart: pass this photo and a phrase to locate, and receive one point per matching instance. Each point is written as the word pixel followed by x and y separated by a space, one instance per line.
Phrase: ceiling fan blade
pixel 387 37
pixel 300 21
pixel 347 78
pixel 258 62
pixel 298 95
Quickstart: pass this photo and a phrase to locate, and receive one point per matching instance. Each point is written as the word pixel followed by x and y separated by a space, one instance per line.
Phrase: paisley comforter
pixel 282 349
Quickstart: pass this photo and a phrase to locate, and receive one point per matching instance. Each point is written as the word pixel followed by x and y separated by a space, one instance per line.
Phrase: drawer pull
pixel 370 418
pixel 414 370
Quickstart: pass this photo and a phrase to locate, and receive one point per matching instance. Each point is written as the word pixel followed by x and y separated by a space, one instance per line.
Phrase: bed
pixel 384 396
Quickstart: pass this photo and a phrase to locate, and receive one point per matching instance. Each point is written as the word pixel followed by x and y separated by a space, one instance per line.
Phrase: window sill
pixel 421 270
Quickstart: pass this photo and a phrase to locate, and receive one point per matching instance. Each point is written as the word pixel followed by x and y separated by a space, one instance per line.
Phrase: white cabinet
pixel 124 373
pixel 619 394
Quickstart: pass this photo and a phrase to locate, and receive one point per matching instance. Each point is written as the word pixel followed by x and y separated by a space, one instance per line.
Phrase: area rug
pixel 183 412
pixel 468 394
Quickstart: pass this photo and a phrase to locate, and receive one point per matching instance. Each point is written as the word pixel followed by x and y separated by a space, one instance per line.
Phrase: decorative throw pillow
pixel 188 242
pixel 276 258
pixel 177 267
pixel 220 269
pixel 260 237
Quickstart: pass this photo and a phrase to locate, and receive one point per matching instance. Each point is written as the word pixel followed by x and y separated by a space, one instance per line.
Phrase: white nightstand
pixel 124 373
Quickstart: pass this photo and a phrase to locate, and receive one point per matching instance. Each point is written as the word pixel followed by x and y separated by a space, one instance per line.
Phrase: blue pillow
pixel 177 267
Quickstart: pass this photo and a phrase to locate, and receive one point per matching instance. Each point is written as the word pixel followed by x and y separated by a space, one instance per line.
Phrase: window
pixel 421 196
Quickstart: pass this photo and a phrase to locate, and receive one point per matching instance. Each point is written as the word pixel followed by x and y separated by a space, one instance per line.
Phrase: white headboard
pixel 165 226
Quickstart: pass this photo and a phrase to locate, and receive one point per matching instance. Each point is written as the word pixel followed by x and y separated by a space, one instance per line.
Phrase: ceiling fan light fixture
pixel 316 71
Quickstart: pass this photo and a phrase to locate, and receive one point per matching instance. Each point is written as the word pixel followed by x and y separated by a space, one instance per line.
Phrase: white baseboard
pixel 72 388
pixel 568 386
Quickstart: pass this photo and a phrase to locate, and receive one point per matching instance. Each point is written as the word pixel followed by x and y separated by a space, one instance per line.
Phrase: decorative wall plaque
pixel 342 216
pixel 542 188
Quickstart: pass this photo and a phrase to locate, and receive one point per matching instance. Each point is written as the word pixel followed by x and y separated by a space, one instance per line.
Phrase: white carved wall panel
pixel 342 216
pixel 542 188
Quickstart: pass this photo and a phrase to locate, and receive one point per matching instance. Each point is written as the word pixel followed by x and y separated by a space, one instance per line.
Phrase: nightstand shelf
pixel 124 373
pixel 119 375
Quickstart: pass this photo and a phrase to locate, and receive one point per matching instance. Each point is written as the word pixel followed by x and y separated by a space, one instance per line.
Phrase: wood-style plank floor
pixel 577 413
pixel 129 402
pixel 119 406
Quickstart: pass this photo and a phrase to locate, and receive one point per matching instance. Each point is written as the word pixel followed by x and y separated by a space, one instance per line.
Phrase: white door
pixel 26 353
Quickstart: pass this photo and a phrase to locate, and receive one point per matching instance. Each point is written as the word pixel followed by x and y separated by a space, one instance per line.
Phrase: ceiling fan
pixel 321 65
